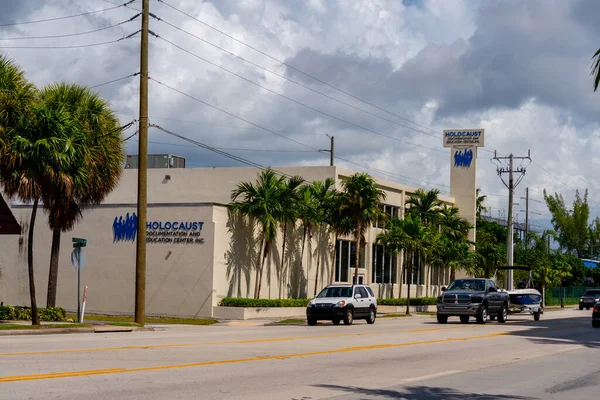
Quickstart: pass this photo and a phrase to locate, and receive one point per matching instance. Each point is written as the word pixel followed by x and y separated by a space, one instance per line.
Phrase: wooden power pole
pixel 140 256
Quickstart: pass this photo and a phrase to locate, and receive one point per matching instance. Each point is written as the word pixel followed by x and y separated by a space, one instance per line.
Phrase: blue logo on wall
pixel 125 229
pixel 463 158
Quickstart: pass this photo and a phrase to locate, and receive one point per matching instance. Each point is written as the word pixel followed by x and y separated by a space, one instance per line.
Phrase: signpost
pixel 78 260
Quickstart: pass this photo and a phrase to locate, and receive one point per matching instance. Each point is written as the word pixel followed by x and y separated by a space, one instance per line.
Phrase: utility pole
pixel 511 185
pixel 526 218
pixel 140 256
pixel 330 151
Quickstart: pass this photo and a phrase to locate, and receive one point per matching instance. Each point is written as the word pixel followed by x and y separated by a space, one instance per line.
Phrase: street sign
pixel 79 242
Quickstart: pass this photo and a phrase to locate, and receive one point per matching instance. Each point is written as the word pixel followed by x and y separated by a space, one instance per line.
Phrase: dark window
pixel 363 293
pixel 389 211
pixel 345 259
pixel 385 265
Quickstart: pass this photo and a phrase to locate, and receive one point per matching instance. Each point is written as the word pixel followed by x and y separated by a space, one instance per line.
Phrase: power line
pixel 294 68
pixel 296 101
pixel 114 80
pixel 65 47
pixel 286 137
pixel 296 82
pixel 67 16
pixel 71 34
pixel 238 149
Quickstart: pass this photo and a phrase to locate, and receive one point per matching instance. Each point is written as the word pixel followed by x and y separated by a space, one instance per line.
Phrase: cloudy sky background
pixel 521 70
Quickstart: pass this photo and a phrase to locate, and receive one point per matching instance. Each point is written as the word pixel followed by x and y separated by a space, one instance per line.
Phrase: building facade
pixel 197 253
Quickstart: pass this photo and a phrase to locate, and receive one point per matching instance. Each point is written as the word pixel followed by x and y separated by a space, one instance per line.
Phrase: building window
pixel 385 265
pixel 417 273
pixel 440 276
pixel 345 260
pixel 390 211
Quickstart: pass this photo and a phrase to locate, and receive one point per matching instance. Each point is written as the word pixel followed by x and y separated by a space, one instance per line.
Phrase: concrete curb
pixel 54 331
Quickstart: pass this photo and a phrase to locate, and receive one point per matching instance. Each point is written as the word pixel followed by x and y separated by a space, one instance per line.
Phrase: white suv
pixel 345 303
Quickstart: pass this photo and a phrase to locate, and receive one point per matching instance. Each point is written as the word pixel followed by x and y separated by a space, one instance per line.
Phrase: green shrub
pixel 417 301
pixel 263 303
pixel 11 313
pixel 266 303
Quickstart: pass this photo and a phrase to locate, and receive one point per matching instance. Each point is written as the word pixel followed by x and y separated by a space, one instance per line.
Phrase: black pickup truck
pixel 472 297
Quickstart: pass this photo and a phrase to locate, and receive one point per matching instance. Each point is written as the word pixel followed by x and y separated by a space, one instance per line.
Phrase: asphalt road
pixel 407 358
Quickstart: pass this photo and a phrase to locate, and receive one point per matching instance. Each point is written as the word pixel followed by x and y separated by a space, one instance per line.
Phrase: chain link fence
pixel 570 294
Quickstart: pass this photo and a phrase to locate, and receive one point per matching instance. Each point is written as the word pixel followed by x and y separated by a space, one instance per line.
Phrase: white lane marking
pixel 424 377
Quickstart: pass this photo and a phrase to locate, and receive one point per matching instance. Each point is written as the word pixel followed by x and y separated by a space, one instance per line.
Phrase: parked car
pixel 346 303
pixel 596 316
pixel 589 298
pixel 472 297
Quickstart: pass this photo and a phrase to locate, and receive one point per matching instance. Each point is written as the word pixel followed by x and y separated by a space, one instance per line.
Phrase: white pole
pixel 83 305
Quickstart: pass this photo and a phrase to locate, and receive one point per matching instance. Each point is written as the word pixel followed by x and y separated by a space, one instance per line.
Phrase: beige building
pixel 197 254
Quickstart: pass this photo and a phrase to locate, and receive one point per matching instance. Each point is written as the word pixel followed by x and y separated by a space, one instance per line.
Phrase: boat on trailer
pixel 524 299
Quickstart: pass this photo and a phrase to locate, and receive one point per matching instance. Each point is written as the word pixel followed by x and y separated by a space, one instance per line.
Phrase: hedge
pixel 13 313
pixel 266 303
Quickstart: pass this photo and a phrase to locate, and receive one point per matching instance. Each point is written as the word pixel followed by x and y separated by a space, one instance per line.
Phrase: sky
pixel 385 78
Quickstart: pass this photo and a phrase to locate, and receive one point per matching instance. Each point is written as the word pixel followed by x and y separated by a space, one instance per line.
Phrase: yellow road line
pixel 70 374
pixel 271 340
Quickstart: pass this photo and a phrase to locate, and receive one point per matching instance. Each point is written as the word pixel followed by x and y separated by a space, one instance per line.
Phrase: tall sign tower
pixel 463 144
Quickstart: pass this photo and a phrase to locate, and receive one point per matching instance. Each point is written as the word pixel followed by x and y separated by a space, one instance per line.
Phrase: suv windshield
pixel 467 284
pixel 592 293
pixel 336 292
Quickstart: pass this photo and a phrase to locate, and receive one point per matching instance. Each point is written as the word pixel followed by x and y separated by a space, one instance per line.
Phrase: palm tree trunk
pixel 333 266
pixel 53 273
pixel 282 271
pixel 265 255
pixel 409 281
pixel 35 319
pixel 258 264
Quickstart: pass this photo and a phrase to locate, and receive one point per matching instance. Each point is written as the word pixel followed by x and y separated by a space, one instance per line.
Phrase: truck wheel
pixel 464 319
pixel 503 314
pixel 442 319
pixel 596 324
pixel 336 321
pixel 536 316
pixel 349 317
pixel 482 316
pixel 580 308
pixel 311 321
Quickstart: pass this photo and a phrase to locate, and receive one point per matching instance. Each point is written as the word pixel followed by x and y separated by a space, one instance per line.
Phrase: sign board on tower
pixel 464 137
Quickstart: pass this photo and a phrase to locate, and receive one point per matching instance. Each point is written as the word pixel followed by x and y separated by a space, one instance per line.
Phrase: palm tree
pixel 410 235
pixel 426 204
pixel 596 70
pixel 479 207
pixel 455 230
pixel 102 163
pixel 340 224
pixel 290 200
pixel 322 195
pixel 361 204
pixel 41 156
pixel 262 202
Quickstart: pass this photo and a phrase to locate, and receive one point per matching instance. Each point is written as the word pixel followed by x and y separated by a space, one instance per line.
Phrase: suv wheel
pixel 442 319
pixel 503 314
pixel 372 316
pixel 349 317
pixel 482 316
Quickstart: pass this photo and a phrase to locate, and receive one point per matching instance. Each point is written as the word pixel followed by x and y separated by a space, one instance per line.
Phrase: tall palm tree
pixel 39 157
pixel 102 161
pixel 410 235
pixel 596 70
pixel 361 204
pixel 290 201
pixel 340 224
pixel 323 196
pixel 262 202
pixel 426 204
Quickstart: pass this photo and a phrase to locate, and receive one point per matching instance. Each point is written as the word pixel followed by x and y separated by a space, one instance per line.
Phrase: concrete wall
pixel 179 275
